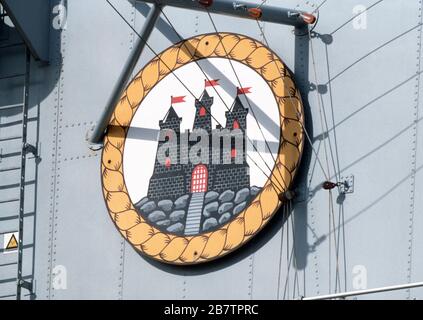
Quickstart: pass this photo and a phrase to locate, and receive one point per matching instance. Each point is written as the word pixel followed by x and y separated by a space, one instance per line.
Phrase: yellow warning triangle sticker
pixel 13 243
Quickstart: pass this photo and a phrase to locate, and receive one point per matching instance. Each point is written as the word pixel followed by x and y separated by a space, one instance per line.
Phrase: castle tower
pixel 203 118
pixel 170 123
pixel 203 121
pixel 167 180
pixel 233 176
pixel 236 118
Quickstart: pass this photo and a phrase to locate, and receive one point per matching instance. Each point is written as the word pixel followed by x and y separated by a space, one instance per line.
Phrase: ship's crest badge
pixel 201 145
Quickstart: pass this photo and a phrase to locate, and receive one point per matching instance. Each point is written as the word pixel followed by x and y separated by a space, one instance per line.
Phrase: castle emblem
pixel 184 196
pixel 189 197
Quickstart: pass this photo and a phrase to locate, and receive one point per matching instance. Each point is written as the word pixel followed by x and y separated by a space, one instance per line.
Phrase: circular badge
pixel 201 145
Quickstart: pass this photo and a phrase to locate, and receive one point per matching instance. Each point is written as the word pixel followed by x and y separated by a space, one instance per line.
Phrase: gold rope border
pixel 175 249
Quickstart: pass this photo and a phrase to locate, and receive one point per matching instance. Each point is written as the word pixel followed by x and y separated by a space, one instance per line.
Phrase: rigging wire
pixel 151 49
pixel 223 101
pixel 291 255
pixel 322 112
pixel 324 125
pixel 294 248
pixel 319 6
pixel 337 274
pixel 296 281
pixel 355 16
pixel 326 153
pixel 248 101
pixel 338 170
pixel 288 258
pixel 278 189
pixel 236 75
pixel 290 97
pixel 263 2
pixel 284 215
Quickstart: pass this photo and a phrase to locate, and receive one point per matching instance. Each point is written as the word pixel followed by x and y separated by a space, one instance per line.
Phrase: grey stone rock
pixel 209 223
pixel 210 196
pixel 224 207
pixel 210 208
pixel 177 227
pixel 148 207
pixel 163 223
pixel 242 195
pixel 224 218
pixel 254 190
pixel 156 216
pixel 239 208
pixel 226 196
pixel 165 205
pixel 177 215
pixel 141 202
pixel 181 202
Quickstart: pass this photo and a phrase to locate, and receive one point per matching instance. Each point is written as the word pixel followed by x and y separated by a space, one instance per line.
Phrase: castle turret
pixel 167 179
pixel 234 175
pixel 236 117
pixel 173 178
pixel 170 128
pixel 203 112
pixel 171 120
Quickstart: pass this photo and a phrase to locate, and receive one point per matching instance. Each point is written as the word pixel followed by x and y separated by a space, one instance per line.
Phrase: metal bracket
pixel 31 149
pixel 346 184
pixel 92 146
pixel 25 284
pixel 296 195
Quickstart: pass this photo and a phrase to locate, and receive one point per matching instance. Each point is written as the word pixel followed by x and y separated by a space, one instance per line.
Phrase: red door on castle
pixel 199 179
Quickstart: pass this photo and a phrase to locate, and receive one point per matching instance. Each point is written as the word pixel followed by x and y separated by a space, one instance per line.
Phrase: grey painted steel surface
pixel 99 130
pixel 11 124
pixel 370 89
pixel 275 14
pixel 32 20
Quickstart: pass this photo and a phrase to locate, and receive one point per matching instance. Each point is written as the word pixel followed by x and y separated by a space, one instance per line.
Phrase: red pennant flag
pixel 243 90
pixel 211 83
pixel 177 99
